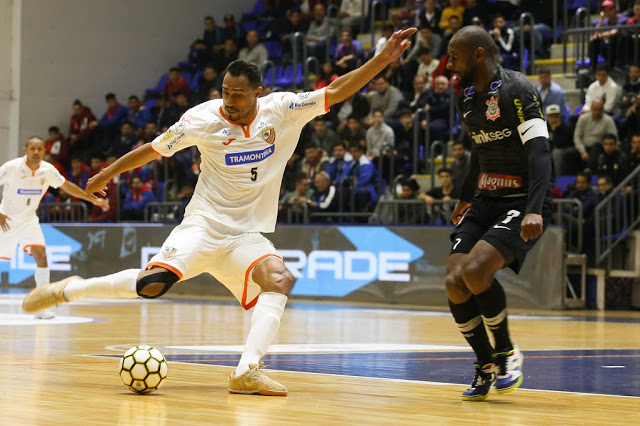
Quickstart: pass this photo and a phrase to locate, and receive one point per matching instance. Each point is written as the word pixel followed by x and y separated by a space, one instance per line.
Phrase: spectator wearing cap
pixel 605 43
pixel 550 92
pixel 255 53
pixel 565 156
pixel 231 30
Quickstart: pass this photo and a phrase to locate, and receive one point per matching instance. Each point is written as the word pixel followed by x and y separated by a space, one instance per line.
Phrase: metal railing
pixel 532 49
pixel 569 214
pixel 310 60
pixel 63 212
pixel 420 114
pixel 616 216
pixel 405 212
pixel 166 211
pixel 582 41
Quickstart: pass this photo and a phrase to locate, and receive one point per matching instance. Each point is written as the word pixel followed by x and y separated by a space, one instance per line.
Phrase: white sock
pixel 42 276
pixel 121 284
pixel 265 323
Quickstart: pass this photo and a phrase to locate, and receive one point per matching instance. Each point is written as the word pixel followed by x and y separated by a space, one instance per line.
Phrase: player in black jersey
pixel 504 207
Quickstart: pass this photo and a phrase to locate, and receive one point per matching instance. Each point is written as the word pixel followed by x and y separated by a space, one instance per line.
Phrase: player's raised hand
pixel 4 222
pixel 397 44
pixel 459 210
pixel 531 226
pixel 97 185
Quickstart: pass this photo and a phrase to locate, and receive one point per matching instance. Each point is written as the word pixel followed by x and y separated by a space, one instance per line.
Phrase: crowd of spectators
pixel 362 151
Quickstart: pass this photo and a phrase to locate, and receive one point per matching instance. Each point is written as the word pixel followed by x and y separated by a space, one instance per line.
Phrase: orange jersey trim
pixel 165 266
pixel 245 129
pixel 251 304
pixel 154 150
pixel 33 171
pixel 326 99
pixel 5 258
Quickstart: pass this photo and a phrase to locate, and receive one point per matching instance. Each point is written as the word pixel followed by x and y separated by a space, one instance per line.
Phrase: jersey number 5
pixel 254 174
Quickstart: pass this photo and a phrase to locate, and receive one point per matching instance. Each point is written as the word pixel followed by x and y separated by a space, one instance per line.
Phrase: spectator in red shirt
pixel 81 128
pixel 96 164
pixel 57 145
pixel 176 82
pixel 58 165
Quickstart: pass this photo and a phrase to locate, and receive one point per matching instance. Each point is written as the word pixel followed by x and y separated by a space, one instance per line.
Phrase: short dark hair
pixel 585 175
pixel 172 69
pixel 134 97
pixel 544 71
pixel 353 117
pixel 445 170
pixel 424 51
pixel 239 67
pixel 602 67
pixel 208 18
pixel 54 129
pixel 300 177
pixel 109 96
pixel 341 143
pixel 380 110
pixel 77 102
pixel 388 27
pixel 458 143
pixel 379 76
pixel 356 145
pixel 403 112
pixel 135 176
pixel 411 183
pixel 610 136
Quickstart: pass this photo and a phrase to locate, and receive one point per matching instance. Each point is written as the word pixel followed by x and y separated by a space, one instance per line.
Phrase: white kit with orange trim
pixel 23 189
pixel 237 194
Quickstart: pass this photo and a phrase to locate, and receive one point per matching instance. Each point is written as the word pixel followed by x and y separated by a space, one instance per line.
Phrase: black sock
pixel 493 306
pixel 470 324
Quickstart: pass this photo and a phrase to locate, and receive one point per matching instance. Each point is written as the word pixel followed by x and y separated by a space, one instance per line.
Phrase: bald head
pixel 472 37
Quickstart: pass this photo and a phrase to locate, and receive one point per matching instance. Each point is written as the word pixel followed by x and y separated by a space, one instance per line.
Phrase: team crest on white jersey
pixel 493 110
pixel 168 252
pixel 42 181
pixel 268 134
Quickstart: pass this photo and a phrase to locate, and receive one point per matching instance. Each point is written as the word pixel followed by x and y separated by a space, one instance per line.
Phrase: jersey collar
pixel 495 83
pixel 33 171
pixel 245 129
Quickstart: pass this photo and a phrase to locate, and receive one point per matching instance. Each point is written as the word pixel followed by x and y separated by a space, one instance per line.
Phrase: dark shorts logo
pixel 493 110
pixel 493 181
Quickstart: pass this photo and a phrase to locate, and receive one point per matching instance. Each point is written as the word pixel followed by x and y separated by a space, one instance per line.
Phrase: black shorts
pixel 496 221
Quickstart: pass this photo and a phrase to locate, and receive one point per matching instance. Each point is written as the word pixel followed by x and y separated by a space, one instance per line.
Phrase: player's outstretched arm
pixel 348 84
pixel 75 191
pixel 136 158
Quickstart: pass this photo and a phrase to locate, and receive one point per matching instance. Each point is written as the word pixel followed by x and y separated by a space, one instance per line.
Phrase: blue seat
pixel 194 84
pixel 286 79
pixel 164 78
pixel 578 109
pixel 150 103
pixel 563 182
pixel 273 49
pixel 185 64
pixel 187 77
pixel 272 75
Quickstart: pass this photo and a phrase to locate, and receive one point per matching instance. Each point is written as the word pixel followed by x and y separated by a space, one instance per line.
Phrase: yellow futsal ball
pixel 143 369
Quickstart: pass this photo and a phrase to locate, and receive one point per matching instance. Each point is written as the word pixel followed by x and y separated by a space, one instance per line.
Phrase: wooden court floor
pixel 342 364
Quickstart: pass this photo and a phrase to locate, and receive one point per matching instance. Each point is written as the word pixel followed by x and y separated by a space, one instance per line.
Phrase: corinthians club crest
pixel 493 110
pixel 268 134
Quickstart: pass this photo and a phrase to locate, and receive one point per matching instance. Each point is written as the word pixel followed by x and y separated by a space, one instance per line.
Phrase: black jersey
pixel 499 121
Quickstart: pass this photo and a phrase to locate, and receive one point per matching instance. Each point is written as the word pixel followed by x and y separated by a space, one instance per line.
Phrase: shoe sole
pixel 258 392
pixel 513 387
pixel 475 398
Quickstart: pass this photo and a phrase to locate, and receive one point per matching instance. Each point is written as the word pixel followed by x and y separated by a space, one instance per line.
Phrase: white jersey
pixel 24 187
pixel 242 166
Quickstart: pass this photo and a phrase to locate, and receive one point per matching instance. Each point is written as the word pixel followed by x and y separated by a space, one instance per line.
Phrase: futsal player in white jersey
pixel 25 180
pixel 245 142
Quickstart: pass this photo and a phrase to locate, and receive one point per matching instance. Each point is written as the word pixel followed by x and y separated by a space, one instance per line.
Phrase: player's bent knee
pixel 475 276
pixel 156 283
pixel 279 282
pixel 456 290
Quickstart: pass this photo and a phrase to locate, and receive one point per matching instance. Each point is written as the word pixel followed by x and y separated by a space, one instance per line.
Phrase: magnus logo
pixel 484 137
pixel 493 181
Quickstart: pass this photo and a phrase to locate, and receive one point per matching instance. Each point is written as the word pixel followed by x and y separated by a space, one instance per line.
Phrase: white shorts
pixel 26 233
pixel 200 245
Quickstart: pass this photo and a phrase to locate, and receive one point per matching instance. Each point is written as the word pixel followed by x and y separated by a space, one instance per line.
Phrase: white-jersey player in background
pixel 25 180
pixel 245 142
